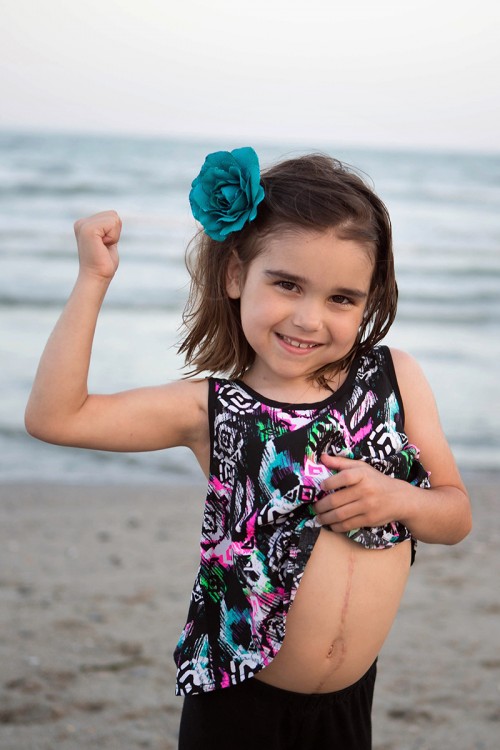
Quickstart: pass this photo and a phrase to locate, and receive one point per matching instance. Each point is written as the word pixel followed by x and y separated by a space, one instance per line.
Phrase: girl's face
pixel 302 301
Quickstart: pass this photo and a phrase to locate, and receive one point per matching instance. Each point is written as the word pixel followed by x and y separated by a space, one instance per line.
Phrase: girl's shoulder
pixel 410 376
pixel 183 403
pixel 189 393
pixel 414 388
pixel 383 355
pixel 186 388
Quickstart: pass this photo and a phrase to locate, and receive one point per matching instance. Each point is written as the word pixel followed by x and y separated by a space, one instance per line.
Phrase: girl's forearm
pixel 60 386
pixel 440 515
pixel 357 494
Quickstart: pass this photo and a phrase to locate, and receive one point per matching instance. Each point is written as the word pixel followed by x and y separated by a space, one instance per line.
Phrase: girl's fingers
pixel 333 500
pixel 337 462
pixel 97 239
pixel 340 513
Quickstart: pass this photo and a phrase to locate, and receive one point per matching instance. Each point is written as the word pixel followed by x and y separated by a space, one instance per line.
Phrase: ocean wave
pixel 66 252
pixel 481 198
pixel 120 185
pixel 449 317
pixel 167 305
pixel 442 296
pixel 39 187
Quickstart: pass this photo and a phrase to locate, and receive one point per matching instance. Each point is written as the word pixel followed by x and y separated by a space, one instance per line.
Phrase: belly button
pixel 335 658
pixel 336 652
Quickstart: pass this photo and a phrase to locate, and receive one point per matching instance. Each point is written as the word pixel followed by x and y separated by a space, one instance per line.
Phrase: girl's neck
pixel 305 392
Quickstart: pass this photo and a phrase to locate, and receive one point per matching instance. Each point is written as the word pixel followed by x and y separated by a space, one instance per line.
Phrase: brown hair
pixel 312 192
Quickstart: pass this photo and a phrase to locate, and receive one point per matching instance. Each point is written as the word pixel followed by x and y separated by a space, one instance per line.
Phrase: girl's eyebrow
pixel 286 275
pixel 355 293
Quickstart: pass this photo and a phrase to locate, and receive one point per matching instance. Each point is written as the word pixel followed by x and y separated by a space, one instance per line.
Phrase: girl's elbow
pixel 467 526
pixel 467 515
pixel 35 429
pixel 464 528
pixel 39 427
pixel 31 423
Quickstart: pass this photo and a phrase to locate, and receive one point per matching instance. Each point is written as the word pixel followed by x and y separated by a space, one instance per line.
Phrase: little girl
pixel 316 494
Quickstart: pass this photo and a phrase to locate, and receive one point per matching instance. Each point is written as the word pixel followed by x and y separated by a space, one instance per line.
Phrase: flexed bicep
pixel 142 419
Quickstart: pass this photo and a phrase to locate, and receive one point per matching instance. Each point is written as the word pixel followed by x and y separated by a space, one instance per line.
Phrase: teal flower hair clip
pixel 226 193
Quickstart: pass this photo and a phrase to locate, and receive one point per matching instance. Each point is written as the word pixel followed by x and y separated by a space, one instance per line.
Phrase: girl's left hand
pixel 360 495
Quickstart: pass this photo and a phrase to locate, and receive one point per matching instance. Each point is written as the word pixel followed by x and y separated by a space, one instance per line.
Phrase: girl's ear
pixel 234 277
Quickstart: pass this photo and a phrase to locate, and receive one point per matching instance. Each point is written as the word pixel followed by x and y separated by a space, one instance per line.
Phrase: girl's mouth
pixel 296 343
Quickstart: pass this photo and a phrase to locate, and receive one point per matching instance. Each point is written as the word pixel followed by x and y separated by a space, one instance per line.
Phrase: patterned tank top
pixel 259 526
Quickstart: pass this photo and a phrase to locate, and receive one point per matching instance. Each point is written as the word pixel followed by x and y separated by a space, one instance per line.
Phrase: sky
pixel 389 73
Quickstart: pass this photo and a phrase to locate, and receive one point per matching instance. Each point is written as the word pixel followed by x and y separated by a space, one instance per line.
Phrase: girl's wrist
pixel 408 503
pixel 92 282
pixel 85 272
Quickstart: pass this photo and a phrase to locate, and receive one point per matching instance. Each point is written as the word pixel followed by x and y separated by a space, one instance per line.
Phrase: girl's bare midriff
pixel 342 613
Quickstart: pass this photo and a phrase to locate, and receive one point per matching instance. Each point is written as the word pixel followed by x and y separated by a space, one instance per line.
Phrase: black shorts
pixel 261 717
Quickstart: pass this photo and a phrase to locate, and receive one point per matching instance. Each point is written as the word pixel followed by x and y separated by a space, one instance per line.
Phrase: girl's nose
pixel 307 316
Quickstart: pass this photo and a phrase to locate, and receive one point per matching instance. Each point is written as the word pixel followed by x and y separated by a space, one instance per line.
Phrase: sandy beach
pixel 94 588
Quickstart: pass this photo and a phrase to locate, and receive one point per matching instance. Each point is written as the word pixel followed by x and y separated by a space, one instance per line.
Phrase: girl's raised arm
pixel 60 409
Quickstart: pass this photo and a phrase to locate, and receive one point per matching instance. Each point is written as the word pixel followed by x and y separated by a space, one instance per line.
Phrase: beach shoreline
pixel 94 589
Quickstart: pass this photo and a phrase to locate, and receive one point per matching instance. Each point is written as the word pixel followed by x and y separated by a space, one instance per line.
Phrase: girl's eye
pixel 289 286
pixel 339 299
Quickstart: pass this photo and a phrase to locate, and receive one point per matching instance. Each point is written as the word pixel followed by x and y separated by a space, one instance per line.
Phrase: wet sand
pixel 94 589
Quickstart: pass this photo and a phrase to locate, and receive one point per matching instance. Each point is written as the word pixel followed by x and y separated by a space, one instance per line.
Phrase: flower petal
pixel 225 194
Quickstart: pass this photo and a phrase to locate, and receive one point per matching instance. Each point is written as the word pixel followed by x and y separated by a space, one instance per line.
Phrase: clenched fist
pixel 97 239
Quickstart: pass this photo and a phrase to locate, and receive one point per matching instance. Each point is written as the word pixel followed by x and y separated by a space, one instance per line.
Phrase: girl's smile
pixel 301 301
pixel 303 345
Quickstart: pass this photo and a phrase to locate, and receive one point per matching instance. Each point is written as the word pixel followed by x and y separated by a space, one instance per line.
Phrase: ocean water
pixel 445 210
